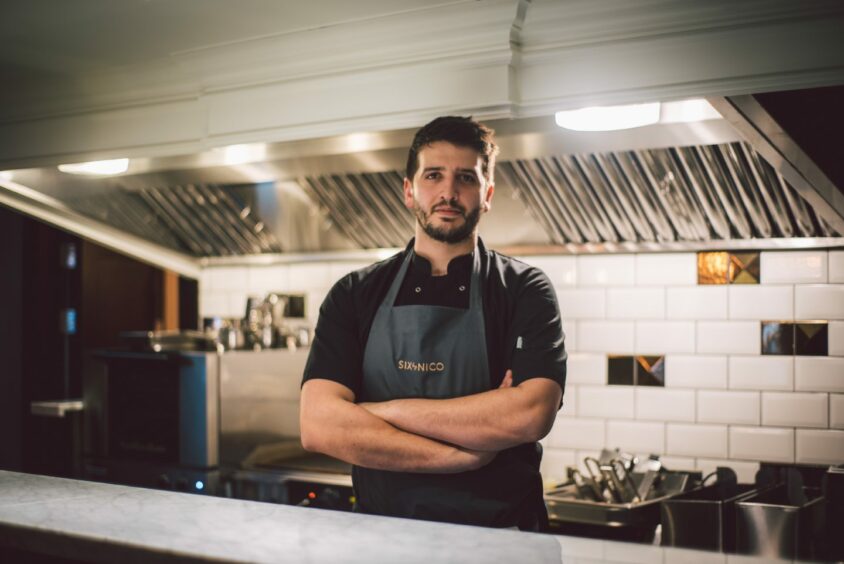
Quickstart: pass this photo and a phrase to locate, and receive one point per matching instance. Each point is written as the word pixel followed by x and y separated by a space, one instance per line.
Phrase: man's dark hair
pixel 460 131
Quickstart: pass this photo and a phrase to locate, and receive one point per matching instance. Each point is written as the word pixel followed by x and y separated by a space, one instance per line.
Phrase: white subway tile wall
pixel 729 337
pixel 678 462
pixel 226 278
pixel 586 368
pixel 728 407
pixel 217 304
pixel 784 409
pixel 569 408
pixel 695 371
pixel 819 301
pixel 836 338
pixel 660 337
pixel 562 270
pixel 311 275
pixel 607 401
pixel 660 404
pixel 266 279
pixel 606 336
pixel 793 267
pixel 761 302
pixel 707 441
pixel 836 411
pixel 554 464
pixel 820 447
pixel 724 403
pixel 697 302
pixel 637 437
pixel 606 270
pixel 570 334
pixel 762 372
pixel 819 374
pixel 636 303
pixel 582 303
pixel 576 433
pixel 762 443
pixel 836 267
pixel 667 269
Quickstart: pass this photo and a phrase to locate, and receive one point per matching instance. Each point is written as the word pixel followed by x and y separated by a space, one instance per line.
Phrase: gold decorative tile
pixel 712 267
pixel 650 371
pixel 744 268
pixel 721 267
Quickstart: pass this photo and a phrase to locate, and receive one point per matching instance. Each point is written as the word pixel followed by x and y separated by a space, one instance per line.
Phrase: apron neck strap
pixel 475 300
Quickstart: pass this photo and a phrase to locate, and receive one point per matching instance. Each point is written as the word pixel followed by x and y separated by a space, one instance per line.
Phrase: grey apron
pixel 422 351
pixel 436 352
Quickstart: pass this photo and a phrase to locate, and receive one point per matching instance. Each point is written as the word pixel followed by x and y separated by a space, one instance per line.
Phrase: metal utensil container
pixel 634 521
pixel 704 518
pixel 773 525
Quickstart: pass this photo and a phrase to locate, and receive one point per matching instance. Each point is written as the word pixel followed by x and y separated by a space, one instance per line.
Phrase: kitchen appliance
pixel 188 419
pixel 152 413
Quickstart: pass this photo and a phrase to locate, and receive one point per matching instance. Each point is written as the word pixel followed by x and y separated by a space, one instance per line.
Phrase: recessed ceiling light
pixel 686 111
pixel 609 118
pixel 244 153
pixel 99 168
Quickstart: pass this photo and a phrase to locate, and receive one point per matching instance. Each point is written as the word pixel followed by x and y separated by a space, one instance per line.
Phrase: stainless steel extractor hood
pixel 659 187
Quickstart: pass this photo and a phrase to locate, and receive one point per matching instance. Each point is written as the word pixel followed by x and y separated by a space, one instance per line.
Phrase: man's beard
pixel 447 234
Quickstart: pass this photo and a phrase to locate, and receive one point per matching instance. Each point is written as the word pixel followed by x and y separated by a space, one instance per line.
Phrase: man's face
pixel 448 193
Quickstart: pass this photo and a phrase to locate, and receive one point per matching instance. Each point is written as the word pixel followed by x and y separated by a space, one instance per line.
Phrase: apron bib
pixel 422 351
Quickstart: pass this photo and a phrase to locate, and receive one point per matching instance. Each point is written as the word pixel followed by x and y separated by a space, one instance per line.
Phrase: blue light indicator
pixel 199 485
pixel 69 321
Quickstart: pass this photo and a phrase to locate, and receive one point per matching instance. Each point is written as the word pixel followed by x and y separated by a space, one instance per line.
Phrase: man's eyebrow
pixel 427 168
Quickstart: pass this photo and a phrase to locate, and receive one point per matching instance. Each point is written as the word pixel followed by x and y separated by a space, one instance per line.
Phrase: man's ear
pixel 490 190
pixel 407 188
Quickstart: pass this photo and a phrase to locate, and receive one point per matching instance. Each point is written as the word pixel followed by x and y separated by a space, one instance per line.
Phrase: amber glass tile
pixel 777 337
pixel 650 371
pixel 712 267
pixel 744 268
pixel 811 338
pixel 620 370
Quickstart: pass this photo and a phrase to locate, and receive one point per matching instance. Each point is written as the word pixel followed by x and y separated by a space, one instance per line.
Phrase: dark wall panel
pixel 11 322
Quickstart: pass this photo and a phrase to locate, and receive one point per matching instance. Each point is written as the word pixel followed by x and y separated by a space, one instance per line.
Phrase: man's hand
pixel 507 382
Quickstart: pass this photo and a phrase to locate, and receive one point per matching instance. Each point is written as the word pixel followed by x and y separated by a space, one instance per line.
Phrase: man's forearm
pixel 339 428
pixel 492 420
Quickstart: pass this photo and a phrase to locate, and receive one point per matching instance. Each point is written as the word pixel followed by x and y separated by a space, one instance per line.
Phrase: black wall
pixel 11 326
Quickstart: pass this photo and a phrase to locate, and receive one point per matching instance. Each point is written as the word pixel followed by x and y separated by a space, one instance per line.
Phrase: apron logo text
pixel 421 366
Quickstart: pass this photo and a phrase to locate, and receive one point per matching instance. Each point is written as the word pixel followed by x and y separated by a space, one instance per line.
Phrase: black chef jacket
pixel 522 323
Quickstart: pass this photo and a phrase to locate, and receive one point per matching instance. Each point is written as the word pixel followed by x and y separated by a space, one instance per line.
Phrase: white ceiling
pixel 48 47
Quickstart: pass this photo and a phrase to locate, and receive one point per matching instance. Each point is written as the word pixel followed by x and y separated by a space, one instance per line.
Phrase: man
pixel 435 371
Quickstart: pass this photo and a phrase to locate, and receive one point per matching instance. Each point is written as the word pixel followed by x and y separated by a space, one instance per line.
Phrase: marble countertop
pixel 99 522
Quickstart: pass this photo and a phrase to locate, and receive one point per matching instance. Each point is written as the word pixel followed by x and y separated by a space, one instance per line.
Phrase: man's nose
pixel 449 188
